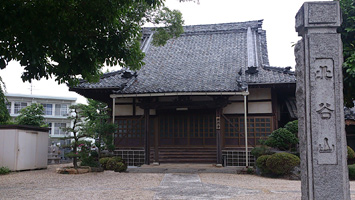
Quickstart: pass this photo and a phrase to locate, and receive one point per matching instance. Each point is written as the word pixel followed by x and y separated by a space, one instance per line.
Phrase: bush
pixel 261 163
pixel 351 172
pixel 113 163
pixel 89 161
pixel 351 153
pixel 292 127
pixel 259 151
pixel 4 170
pixel 282 163
pixel 282 139
pixel 120 167
pixel 103 162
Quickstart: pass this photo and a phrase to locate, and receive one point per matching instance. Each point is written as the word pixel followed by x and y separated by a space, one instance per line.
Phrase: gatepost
pixel 319 93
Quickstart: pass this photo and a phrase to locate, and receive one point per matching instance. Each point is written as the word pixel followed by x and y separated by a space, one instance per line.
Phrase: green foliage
pixel 4 113
pixel 97 124
pixel 65 39
pixel 78 130
pixel 114 163
pixel 31 115
pixel 347 31
pixel 282 163
pixel 351 153
pixel 292 126
pixel 259 151
pixel 261 163
pixel 103 162
pixel 351 172
pixel 4 170
pixel 282 139
pixel 89 161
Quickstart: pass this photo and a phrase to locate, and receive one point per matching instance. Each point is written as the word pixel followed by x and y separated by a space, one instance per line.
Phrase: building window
pixel 61 109
pixel 259 128
pixel 19 106
pixel 50 126
pixel 58 128
pixel 47 109
pixel 8 106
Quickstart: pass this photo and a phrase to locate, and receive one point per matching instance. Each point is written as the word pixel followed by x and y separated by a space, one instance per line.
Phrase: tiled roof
pixel 114 80
pixel 205 58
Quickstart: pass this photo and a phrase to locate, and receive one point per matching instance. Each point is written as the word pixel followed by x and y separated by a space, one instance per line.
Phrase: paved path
pixel 189 186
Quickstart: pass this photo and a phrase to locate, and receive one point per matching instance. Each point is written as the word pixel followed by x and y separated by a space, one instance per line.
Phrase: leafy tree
pixel 96 114
pixel 347 31
pixel 4 113
pixel 282 139
pixel 31 115
pixel 78 131
pixel 73 39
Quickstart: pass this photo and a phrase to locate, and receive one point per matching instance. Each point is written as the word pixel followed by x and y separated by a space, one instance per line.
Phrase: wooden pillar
pixel 218 135
pixel 146 136
pixel 156 141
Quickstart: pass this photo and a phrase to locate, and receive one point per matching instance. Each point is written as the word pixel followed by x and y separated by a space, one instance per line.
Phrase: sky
pixel 279 23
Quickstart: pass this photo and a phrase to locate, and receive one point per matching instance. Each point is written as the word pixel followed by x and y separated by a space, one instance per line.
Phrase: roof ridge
pixel 285 70
pixel 254 24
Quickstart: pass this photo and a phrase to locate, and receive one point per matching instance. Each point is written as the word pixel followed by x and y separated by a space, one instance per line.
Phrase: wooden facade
pixel 193 122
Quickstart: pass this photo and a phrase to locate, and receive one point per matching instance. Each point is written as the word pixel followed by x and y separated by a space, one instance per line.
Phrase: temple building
pixel 194 96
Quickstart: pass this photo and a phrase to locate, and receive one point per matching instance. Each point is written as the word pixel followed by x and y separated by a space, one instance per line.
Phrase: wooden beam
pixel 218 135
pixel 146 137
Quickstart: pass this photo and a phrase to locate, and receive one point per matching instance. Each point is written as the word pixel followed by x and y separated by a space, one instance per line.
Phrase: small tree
pixel 97 117
pixel 31 115
pixel 78 130
pixel 4 113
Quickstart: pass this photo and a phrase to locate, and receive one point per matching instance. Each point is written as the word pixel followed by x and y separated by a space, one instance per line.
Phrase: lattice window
pixel 258 128
pixel 202 126
pixel 132 127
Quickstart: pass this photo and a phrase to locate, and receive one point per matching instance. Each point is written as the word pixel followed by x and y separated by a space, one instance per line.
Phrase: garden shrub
pixel 282 163
pixel 89 161
pixel 282 139
pixel 292 126
pixel 259 151
pixel 351 153
pixel 114 163
pixel 351 172
pixel 4 170
pixel 103 162
pixel 261 163
pixel 120 167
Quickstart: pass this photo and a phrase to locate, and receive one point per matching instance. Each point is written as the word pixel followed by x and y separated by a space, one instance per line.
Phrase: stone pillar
pixel 319 93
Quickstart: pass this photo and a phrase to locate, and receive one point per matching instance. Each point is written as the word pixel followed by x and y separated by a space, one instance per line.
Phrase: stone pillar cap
pixel 319 14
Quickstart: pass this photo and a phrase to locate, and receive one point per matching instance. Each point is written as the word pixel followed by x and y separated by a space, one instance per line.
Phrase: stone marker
pixel 319 92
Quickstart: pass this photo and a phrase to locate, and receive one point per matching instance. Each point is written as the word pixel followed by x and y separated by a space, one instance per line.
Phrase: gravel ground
pixel 47 184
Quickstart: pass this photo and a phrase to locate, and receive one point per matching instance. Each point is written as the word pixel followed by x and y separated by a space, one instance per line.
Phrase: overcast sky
pixel 279 22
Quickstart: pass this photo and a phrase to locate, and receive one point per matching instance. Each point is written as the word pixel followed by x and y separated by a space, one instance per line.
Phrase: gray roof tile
pixel 205 58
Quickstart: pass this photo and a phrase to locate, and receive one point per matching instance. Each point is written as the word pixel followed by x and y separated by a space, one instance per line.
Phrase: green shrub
pixel 116 164
pixel 103 162
pixel 120 167
pixel 261 163
pixel 351 153
pixel 292 126
pixel 351 172
pixel 89 161
pixel 4 170
pixel 282 139
pixel 282 163
pixel 259 151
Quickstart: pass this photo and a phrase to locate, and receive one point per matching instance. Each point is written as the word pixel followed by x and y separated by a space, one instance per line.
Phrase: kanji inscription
pixel 324 73
pixel 325 111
